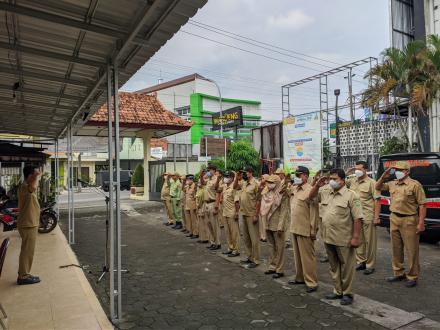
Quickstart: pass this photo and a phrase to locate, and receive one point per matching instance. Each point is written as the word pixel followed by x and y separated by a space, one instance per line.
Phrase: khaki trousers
pixel 342 261
pixel 28 241
pixel 169 209
pixel 202 230
pixel 232 230
pixel 405 240
pixel 305 260
pixel 191 221
pixel 277 246
pixel 177 210
pixel 251 237
pixel 262 228
pixel 366 252
pixel 212 223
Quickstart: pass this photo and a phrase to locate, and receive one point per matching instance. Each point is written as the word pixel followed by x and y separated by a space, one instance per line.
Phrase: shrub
pixel 137 180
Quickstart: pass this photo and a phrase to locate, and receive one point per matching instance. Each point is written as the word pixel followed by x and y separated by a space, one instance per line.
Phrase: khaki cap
pixel 402 165
pixel 176 174
pixel 273 179
pixel 279 171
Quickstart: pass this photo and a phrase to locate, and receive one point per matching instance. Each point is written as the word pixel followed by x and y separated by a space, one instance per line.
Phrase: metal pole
pixel 110 193
pixel 175 137
pixel 118 193
pixel 69 192
pixel 221 116
pixel 338 146
pixel 57 170
pixel 410 130
pixel 350 94
pixel 78 176
pixel 72 184
pixel 206 150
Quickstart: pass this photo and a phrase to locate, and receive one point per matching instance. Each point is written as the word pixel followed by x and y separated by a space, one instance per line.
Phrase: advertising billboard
pixel 230 118
pixel 302 141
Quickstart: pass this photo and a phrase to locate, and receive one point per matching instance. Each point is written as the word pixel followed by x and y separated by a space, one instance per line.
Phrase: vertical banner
pixel 302 141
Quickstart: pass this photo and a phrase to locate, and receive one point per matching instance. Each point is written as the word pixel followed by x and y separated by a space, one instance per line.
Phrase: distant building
pixel 195 98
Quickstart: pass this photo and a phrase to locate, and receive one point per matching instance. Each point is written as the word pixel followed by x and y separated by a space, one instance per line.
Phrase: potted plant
pixel 137 181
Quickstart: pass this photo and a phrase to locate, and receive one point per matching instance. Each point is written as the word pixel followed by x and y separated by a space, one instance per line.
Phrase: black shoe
pixel 396 278
pixel 177 226
pixel 278 275
pixel 411 284
pixel 211 246
pixel 195 237
pixel 263 240
pixel 346 300
pixel 311 289
pixel 233 254
pixel 333 296
pixel 184 230
pixel 368 271
pixel 28 280
pixel 361 266
pixel 168 224
pixel 227 252
pixel 245 261
pixel 269 272
pixel 323 260
pixel 190 235
pixel 204 242
pixel 251 265
pixel 216 247
pixel 295 282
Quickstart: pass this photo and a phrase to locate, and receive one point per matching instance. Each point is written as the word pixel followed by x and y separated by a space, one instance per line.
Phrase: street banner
pixel 302 142
pixel 230 118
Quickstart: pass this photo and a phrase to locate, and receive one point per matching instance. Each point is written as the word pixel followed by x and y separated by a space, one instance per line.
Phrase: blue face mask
pixel 209 174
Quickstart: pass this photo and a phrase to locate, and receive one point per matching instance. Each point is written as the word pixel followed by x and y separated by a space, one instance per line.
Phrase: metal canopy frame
pixel 61 60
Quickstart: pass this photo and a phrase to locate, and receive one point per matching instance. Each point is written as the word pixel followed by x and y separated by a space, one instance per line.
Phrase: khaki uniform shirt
pixel 279 219
pixel 406 196
pixel 230 196
pixel 365 188
pixel 210 191
pixel 249 197
pixel 165 192
pixel 304 212
pixel 190 197
pixel 176 189
pixel 340 209
pixel 29 215
pixel 200 198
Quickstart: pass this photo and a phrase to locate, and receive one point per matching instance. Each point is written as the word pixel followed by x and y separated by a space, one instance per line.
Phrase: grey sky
pixel 340 31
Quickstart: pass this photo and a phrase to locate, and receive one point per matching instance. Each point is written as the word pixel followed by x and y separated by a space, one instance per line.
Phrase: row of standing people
pixel 343 211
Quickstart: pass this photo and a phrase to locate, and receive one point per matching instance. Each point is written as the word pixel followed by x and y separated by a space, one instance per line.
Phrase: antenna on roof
pixel 160 80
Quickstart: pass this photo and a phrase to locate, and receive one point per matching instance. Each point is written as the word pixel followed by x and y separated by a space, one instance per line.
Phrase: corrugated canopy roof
pixel 53 55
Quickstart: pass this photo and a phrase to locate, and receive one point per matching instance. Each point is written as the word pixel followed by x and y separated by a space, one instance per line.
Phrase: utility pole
pixel 350 93
pixel 338 143
pixel 221 115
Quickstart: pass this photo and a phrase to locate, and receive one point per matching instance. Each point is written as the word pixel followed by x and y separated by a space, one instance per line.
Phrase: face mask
pixel 271 186
pixel 297 181
pixel 392 171
pixel 359 173
pixel 399 175
pixel 227 180
pixel 245 176
pixel 334 184
pixel 209 174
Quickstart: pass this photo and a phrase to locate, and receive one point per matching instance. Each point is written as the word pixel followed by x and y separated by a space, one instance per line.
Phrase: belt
pixel 400 215
pixel 210 201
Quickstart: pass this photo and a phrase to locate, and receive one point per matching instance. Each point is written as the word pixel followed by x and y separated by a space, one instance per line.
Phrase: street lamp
pixel 337 92
pixel 221 113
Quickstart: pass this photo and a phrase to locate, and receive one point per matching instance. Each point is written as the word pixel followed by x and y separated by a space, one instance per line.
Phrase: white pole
pixel 72 184
pixel 221 116
pixel 110 185
pixel 118 193
pixel 410 130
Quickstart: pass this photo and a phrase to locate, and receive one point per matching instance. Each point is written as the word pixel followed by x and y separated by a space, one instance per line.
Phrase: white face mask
pixel 271 186
pixel 399 175
pixel 297 181
pixel 226 180
pixel 334 184
pixel 359 173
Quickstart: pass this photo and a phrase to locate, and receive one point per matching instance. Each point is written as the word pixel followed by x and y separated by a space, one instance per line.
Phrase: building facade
pixel 196 98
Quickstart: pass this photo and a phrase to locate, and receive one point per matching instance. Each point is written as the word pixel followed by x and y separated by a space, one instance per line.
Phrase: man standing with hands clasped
pixel 407 220
pixel 27 223
pixel 341 226
pixel 365 187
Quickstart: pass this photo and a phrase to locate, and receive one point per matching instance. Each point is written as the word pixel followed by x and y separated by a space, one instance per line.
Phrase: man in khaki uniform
pixel 176 197
pixel 341 227
pixel 229 201
pixel 200 203
pixel 303 227
pixel 365 187
pixel 249 209
pixel 182 204
pixel 190 206
pixel 274 211
pixel 211 207
pixel 407 221
pixel 27 223
pixel 166 198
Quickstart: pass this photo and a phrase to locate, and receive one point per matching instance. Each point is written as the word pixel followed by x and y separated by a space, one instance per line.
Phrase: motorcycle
pixel 9 215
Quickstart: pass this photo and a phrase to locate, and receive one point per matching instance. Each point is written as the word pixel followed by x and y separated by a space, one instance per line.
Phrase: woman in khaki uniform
pixel 200 204
pixel 166 198
pixel 274 212
pixel 190 207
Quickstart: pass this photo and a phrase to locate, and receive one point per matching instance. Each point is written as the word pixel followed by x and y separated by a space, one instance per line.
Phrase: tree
pixel 137 180
pixel 393 145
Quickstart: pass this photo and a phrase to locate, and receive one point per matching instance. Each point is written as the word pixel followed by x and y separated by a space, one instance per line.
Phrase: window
pixel 181 150
pixel 182 111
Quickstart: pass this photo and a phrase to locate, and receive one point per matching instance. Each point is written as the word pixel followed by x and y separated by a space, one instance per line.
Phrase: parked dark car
pixel 125 180
pixel 425 168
